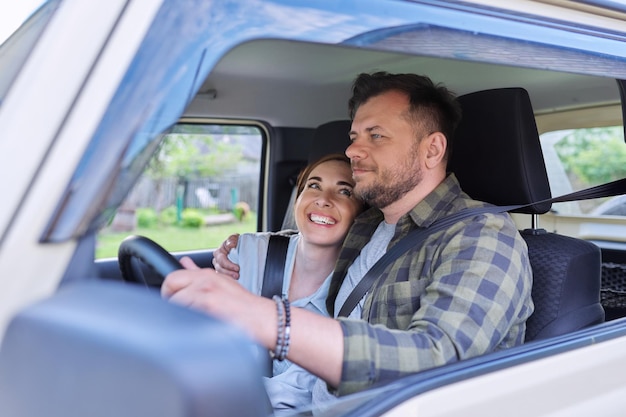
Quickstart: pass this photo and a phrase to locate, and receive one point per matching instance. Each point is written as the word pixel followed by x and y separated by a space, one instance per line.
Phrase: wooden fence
pixel 220 193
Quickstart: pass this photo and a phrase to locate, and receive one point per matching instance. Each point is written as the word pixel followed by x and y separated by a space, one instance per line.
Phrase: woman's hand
pixel 221 263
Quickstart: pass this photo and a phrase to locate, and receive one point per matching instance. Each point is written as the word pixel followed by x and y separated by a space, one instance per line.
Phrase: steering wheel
pixel 149 252
pixel 141 248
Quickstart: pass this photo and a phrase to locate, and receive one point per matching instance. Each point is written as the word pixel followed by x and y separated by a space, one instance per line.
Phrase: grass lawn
pixel 174 238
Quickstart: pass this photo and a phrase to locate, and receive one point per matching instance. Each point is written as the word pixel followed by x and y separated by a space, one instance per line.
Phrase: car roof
pixel 319 77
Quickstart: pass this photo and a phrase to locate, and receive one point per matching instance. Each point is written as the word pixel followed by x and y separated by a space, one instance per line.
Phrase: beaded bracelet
pixel 286 340
pixel 283 309
pixel 280 334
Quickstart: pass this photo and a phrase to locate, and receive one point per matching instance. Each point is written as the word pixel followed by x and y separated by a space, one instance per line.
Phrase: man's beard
pixel 392 184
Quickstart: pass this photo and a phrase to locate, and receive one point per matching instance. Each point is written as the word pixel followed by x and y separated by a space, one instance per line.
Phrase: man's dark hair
pixel 432 105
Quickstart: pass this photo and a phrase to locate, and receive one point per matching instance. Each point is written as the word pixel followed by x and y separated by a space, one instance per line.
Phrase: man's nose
pixel 355 150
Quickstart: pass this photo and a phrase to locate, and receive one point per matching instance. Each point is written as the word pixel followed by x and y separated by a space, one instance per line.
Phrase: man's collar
pixel 433 206
pixel 436 204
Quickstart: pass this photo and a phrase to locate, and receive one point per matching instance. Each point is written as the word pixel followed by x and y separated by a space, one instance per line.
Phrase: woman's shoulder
pixel 260 240
pixel 265 236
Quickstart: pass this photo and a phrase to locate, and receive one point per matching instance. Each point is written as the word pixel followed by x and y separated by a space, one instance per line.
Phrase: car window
pixel 201 186
pixel 580 158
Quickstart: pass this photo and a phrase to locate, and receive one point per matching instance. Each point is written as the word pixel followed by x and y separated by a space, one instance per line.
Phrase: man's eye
pixel 376 136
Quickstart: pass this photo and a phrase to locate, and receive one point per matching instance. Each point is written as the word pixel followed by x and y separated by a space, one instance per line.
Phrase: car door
pixel 50 111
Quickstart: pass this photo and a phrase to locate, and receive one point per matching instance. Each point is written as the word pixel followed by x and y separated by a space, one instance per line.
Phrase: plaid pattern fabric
pixel 465 292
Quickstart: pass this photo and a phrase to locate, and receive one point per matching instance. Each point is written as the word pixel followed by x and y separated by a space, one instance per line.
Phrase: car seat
pixel 497 157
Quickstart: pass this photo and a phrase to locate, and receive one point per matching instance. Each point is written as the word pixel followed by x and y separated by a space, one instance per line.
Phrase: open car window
pixel 201 186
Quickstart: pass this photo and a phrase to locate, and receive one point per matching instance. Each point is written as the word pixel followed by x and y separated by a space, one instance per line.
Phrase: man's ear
pixel 435 146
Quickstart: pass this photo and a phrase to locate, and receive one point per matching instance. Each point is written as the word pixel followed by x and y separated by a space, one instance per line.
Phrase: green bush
pixel 146 217
pixel 192 218
pixel 168 216
pixel 241 210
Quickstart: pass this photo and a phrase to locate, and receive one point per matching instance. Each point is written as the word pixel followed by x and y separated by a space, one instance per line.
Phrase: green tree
pixel 595 155
pixel 186 155
pixel 191 152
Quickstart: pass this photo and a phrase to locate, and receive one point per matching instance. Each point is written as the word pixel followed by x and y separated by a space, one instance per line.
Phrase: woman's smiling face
pixel 327 206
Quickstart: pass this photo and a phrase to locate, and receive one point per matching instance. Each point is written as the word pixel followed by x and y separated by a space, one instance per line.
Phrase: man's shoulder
pixel 454 201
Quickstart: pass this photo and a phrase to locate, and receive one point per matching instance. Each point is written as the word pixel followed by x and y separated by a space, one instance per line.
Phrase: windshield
pixel 17 47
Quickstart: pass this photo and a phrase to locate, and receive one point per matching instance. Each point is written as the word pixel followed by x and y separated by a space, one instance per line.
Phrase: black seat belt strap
pixel 417 236
pixel 275 265
pixel 414 238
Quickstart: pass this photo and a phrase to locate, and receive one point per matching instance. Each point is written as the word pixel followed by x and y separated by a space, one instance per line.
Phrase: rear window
pixel 580 158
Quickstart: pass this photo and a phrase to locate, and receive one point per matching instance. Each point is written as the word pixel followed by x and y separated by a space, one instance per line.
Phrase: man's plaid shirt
pixel 464 292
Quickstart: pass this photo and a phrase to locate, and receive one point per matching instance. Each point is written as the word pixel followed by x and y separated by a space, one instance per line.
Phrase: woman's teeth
pixel 321 219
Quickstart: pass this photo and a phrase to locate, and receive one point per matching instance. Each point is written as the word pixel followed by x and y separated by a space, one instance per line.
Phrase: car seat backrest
pixel 497 158
pixel 330 137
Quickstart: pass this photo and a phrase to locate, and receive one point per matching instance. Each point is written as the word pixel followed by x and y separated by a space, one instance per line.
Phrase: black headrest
pixel 330 137
pixel 496 154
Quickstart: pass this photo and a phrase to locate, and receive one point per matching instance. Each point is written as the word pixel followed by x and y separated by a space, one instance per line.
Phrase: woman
pixel 324 210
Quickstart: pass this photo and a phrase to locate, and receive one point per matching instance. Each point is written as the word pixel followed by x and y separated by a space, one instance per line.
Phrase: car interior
pixel 299 91
pixel 259 68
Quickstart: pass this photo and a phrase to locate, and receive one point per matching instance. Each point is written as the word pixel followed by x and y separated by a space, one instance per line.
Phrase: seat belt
pixel 275 265
pixel 413 239
pixel 417 236
pixel 273 279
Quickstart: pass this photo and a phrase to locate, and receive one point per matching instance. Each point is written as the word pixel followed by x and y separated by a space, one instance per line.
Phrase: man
pixel 464 292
